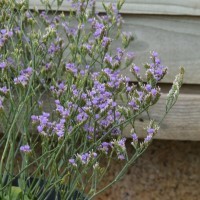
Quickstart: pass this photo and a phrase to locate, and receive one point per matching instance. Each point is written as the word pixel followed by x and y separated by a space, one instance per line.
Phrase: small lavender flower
pixel 53 48
pixel 4 90
pixel 134 137
pixel 108 59
pixel 71 67
pixel 148 87
pixel 133 104
pixel 105 147
pixel 121 144
pixel 24 76
pixel 87 47
pixel 34 118
pixel 150 130
pixel 82 116
pixel 3 65
pixel 99 29
pixel 148 138
pixel 25 149
pixel 136 69
pixel 106 41
pixel 155 69
pixel 3 31
pixel 154 92
pixel 72 162
pixel 121 156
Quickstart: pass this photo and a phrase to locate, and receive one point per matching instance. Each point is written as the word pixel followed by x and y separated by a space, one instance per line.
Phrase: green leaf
pixel 16 194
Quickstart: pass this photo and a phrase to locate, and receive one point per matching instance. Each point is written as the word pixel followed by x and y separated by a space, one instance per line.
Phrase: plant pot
pixel 49 195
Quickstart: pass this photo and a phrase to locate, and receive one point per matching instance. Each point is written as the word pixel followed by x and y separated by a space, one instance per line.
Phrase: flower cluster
pixel 64 101
pixel 155 69
pixel 4 36
pixel 24 76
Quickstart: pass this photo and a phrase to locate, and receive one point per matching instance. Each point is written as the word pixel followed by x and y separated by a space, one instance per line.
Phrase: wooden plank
pixel 176 39
pixel 160 7
pixel 182 123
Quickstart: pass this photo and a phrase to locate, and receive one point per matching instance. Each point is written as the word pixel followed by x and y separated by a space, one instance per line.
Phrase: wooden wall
pixel 173 30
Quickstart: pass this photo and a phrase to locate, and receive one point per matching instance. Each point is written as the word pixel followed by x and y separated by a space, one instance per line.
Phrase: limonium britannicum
pixel 64 103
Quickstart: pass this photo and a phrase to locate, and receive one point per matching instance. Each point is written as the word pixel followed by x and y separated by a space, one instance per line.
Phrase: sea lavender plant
pixel 60 91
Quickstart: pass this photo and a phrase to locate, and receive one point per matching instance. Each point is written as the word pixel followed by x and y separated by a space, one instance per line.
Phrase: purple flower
pixel 154 54
pixel 71 67
pixel 34 118
pixel 10 33
pixel 133 104
pixel 105 147
pixel 94 154
pixel 151 131
pixel 154 92
pixel 72 162
pixel 4 90
pixel 2 65
pixel 99 28
pixel 116 131
pixel 121 157
pixel 108 59
pixel 136 69
pixel 82 116
pixel 148 138
pixel 53 48
pixel 84 158
pixel 26 148
pixel 22 79
pixel 106 41
pixel 155 68
pixel 134 137
pixel 148 87
pixel 24 76
pixel 3 31
pixel 40 128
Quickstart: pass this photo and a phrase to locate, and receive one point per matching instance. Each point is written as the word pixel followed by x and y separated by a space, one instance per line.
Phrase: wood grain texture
pixel 176 39
pixel 182 122
pixel 161 7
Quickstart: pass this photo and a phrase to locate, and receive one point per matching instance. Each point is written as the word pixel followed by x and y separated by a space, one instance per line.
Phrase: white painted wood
pixel 161 7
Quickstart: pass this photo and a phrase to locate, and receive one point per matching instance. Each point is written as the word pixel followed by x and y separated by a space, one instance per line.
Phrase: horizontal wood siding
pixel 176 39
pixel 160 7
pixel 182 122
pixel 156 25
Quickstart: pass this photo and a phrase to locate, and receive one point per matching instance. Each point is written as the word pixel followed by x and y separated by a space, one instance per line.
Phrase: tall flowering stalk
pixel 67 61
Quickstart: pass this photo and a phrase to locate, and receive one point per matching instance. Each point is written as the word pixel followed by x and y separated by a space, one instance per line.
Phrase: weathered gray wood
pixel 176 39
pixel 176 7
pixel 182 123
